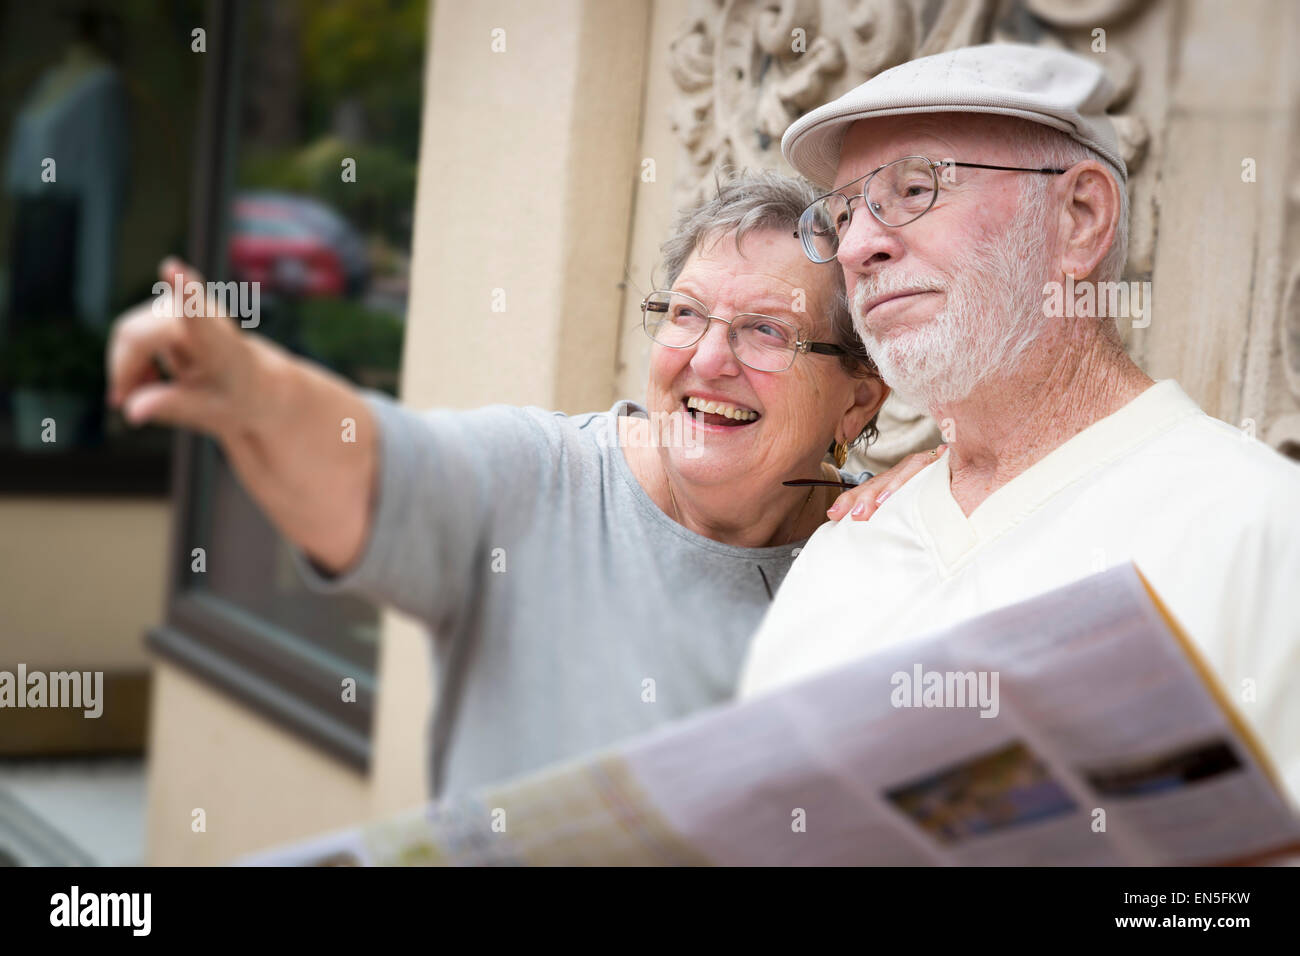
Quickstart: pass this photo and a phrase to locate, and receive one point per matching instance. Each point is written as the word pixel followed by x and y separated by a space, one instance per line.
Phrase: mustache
pixel 886 283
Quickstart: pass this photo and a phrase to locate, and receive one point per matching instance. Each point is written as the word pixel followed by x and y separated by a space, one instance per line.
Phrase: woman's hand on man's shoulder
pixel 860 503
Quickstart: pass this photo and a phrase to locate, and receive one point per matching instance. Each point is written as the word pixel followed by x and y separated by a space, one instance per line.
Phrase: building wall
pixel 114 550
pixel 256 784
pixel 81 579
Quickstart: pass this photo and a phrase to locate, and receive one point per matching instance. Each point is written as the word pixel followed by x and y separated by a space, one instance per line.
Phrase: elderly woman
pixel 587 576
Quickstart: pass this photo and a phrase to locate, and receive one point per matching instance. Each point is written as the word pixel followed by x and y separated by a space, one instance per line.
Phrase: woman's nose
pixel 713 355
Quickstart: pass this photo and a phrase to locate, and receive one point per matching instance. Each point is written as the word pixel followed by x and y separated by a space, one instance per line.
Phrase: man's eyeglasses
pixel 896 193
pixel 761 342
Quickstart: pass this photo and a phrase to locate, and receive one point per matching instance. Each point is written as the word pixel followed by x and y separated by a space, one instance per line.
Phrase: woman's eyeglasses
pixel 761 342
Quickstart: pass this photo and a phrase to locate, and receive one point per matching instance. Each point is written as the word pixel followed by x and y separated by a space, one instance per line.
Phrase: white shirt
pixel 1210 516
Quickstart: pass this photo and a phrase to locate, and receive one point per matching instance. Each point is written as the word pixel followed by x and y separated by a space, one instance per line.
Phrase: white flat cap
pixel 1062 90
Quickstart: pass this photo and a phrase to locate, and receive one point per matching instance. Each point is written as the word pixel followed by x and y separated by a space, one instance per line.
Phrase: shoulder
pixel 589 433
pixel 1229 486
pixel 579 446
pixel 510 435
pixel 1221 458
pixel 527 423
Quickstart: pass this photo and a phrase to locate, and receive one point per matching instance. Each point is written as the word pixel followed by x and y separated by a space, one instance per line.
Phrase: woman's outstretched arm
pixel 301 439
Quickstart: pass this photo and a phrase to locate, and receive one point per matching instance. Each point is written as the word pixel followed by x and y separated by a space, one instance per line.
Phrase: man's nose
pixel 713 356
pixel 867 243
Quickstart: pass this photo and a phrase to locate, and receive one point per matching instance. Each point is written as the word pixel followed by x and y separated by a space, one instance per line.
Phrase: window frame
pixel 261 665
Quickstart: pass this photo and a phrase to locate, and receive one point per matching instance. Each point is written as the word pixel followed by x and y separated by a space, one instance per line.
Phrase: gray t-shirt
pixel 568 611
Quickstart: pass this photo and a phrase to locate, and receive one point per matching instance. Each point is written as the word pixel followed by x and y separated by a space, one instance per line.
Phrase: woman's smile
pixel 718 414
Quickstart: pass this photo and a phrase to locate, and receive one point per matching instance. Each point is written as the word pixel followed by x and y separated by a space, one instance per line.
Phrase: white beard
pixel 992 315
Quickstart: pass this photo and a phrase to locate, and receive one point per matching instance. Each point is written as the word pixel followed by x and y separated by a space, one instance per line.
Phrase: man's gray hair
pixel 1043 146
pixel 764 199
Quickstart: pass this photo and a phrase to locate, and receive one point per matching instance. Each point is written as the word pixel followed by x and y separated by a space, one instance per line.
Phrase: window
pixel 314 122
pixel 96 144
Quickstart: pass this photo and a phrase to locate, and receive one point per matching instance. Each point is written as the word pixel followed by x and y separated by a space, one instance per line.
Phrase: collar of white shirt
pixel 956 537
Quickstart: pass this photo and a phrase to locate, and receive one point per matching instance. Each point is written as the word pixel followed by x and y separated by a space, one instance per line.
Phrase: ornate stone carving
pixel 747 68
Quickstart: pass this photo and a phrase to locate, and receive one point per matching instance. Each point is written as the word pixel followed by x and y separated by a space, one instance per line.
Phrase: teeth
pixel 721 408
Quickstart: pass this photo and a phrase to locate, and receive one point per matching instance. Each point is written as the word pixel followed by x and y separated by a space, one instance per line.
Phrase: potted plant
pixel 55 370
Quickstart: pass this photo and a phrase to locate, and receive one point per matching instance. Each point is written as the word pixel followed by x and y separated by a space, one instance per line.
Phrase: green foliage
pixel 372 50
pixel 64 356
pixel 368 54
pixel 378 203
pixel 350 338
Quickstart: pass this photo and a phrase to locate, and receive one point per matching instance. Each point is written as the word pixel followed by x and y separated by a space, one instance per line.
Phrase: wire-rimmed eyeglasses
pixel 896 194
pixel 761 342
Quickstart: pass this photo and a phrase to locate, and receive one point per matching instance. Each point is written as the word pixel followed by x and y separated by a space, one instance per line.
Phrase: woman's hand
pixel 301 439
pixel 211 365
pixel 860 503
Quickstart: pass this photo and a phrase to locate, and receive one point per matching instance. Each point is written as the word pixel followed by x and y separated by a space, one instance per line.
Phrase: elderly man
pixel 967 186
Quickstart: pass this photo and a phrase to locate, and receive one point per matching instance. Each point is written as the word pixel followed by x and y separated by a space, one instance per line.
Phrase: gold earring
pixel 841 453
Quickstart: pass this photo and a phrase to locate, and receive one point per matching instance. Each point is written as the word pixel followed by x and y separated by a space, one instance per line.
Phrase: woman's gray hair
pixel 764 199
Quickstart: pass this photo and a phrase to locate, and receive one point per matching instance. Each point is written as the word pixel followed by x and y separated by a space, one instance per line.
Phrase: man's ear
pixel 1090 217
pixel 869 393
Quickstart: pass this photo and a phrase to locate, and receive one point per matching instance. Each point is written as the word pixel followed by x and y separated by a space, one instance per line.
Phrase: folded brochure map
pixel 1080 727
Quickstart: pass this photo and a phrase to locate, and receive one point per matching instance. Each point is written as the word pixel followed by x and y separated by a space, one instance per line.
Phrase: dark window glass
pixel 97 107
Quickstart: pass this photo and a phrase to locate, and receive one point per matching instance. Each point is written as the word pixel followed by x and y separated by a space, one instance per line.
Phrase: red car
pixel 273 243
